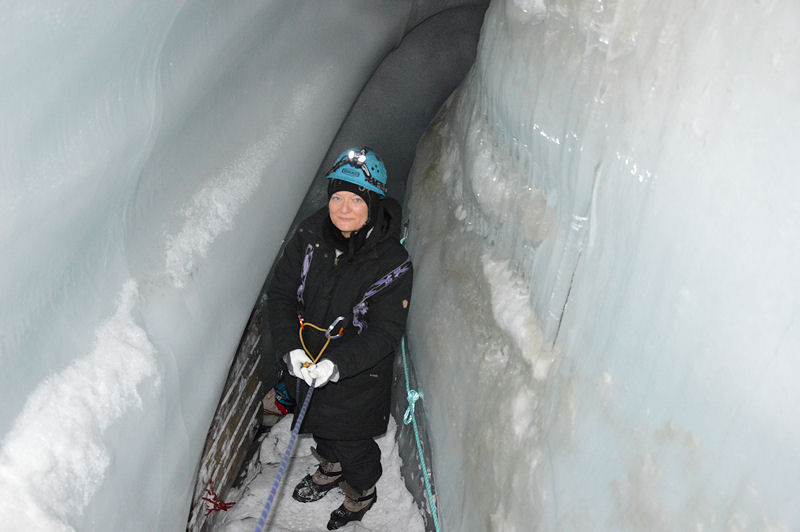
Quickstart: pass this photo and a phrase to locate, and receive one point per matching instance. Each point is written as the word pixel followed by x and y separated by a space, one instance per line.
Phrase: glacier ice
pixel 152 156
pixel 604 227
pixel 603 223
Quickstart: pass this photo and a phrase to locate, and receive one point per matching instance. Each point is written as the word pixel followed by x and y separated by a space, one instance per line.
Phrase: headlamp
pixel 358 159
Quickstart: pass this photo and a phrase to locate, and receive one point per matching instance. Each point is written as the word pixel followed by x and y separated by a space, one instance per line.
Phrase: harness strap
pixel 360 310
pixel 304 273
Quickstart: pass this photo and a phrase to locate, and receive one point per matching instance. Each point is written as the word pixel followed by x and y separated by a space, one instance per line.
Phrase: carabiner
pixel 333 326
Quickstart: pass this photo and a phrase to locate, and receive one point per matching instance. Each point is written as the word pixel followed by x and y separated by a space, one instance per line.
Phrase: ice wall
pixel 605 228
pixel 152 156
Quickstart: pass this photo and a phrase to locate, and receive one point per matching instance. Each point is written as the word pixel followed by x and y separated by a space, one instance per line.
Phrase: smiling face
pixel 348 211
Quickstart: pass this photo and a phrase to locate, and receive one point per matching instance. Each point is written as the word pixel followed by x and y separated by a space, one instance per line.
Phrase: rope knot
pixel 413 396
pixel 213 499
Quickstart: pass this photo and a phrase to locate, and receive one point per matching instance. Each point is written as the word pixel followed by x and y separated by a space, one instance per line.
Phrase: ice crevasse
pixel 603 221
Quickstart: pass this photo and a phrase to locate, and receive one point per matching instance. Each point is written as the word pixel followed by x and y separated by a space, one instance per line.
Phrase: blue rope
pixel 286 457
pixel 413 396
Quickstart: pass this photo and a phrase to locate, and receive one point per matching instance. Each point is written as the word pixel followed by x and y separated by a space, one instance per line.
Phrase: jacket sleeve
pixel 282 298
pixel 386 322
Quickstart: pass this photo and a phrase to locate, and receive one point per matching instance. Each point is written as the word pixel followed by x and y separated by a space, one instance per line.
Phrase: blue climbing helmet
pixel 362 167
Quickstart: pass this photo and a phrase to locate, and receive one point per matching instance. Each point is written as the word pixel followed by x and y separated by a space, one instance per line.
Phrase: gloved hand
pixel 296 359
pixel 323 372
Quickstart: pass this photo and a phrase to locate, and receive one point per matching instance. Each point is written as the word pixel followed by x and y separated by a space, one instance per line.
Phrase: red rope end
pixel 216 504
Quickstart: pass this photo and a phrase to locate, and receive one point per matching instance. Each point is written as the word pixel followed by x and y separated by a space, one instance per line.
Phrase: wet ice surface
pixel 394 510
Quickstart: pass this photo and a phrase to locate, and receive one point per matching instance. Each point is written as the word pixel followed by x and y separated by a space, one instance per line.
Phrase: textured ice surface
pixel 55 458
pixel 604 224
pixel 152 157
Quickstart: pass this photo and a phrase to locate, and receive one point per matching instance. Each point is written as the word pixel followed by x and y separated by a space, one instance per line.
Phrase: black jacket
pixel 376 266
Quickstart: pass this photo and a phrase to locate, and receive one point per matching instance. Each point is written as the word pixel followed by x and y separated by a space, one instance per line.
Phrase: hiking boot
pixel 314 487
pixel 356 503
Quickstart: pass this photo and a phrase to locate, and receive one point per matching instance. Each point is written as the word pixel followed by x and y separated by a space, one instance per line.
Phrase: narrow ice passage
pixel 603 220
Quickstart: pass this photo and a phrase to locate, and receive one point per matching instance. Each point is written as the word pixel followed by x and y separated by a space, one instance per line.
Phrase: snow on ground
pixel 394 510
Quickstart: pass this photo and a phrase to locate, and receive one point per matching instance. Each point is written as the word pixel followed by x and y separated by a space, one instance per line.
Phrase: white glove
pixel 296 359
pixel 323 372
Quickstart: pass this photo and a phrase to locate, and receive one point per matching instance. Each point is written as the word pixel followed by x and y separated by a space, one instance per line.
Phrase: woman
pixel 341 289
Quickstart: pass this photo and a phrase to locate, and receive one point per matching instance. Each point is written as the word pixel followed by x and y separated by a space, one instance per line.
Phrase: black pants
pixel 360 459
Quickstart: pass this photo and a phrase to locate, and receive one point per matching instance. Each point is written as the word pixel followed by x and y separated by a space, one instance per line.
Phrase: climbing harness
pixel 413 396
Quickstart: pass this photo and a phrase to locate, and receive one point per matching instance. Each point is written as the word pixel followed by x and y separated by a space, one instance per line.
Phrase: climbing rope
pixel 285 461
pixel 413 396
pixel 299 419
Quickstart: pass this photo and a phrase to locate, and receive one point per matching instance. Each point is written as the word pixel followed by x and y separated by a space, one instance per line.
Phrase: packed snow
pixel 54 458
pixel 394 509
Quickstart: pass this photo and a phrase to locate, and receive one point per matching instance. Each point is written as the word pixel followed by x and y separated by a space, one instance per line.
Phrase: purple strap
pixel 360 310
pixel 304 273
